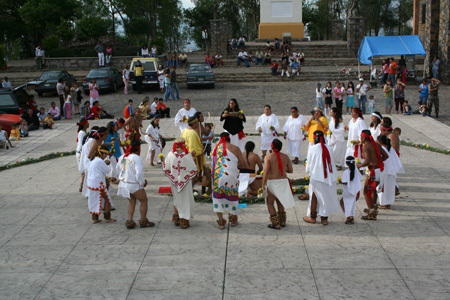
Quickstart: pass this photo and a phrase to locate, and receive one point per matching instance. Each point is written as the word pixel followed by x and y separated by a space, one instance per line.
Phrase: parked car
pixel 50 79
pixel 12 104
pixel 150 65
pixel 200 74
pixel 108 79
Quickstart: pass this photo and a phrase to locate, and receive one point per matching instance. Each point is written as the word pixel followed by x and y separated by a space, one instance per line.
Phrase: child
pixel 4 140
pixel 67 103
pixel 14 134
pixel 351 181
pixel 128 111
pixel 423 109
pixel 85 110
pixel 42 115
pixel 398 131
pixel 407 110
pixel 371 103
pixel 181 182
pixel 97 185
pixel 48 122
pixel 162 109
pixel 23 128
pixel 206 138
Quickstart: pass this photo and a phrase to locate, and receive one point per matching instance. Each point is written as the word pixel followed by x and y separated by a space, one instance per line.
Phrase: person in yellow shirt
pixel 317 122
pixel 14 134
pixel 139 75
pixel 48 122
pixel 194 144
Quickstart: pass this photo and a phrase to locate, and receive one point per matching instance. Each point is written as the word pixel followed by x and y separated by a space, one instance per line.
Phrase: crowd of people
pixel 232 168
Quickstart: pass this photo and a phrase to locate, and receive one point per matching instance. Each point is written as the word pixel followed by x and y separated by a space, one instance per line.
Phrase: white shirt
pixel 7 84
pixel 182 112
pixel 81 135
pixel 319 93
pixel 355 129
pixel 153 107
pixel 218 56
pixel 154 50
pixel 293 127
pixel 144 51
pixel 97 170
pixel 130 170
pixel 242 54
pixel 375 132
pixel 354 186
pixel 3 136
pixel 264 122
pixel 337 134
pixel 39 52
pixel 314 165
pixel 153 131
pixel 362 89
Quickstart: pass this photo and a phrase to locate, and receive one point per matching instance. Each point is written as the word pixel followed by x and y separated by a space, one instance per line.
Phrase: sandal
pixel 222 223
pixel 282 217
pixel 130 224
pixel 385 207
pixel 274 222
pixel 233 219
pixel 303 197
pixel 146 223
pixel 95 219
pixel 368 217
pixel 324 221
pixel 184 223
pixel 108 218
pixel 176 219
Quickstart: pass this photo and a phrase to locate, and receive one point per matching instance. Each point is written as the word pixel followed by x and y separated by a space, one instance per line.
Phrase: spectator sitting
pixel 285 68
pixel 31 103
pixel 97 112
pixel 275 68
pixel 219 59
pixel 154 51
pixel 407 110
pixel 284 56
pixel 154 107
pixel 6 84
pixel 259 56
pixel 209 60
pixel 234 43
pixel 423 109
pixel 269 47
pixel 145 109
pixel 276 42
pixel 14 134
pixel 301 56
pixel 295 66
pixel 268 57
pixel 242 56
pixel 183 58
pixel 41 115
pixel 85 110
pixel 241 42
pixel 32 120
pixel 286 46
pixel 23 127
pixel 162 109
pixel 48 122
pixel 174 60
pixel 144 51
pixel 4 140
pixel 250 57
pixel 56 113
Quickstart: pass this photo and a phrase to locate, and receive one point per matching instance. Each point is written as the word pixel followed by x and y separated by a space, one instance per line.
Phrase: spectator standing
pixel 100 49
pixel 108 52
pixel 139 75
pixel 433 97
pixel 399 95
pixel 39 53
pixel 423 92
pixel 144 51
pixel 371 103
pixel 328 91
pixel 160 76
pixel 6 84
pixel 168 84
pixel 67 103
pixel 93 91
pixel 154 51
pixel 435 67
pixel 319 96
pixel 385 70
pixel 60 90
pixel 362 90
pixel 173 79
pixel 76 100
pixel 338 96
pixel 126 79
pixel 388 101
pixel 350 103
pixel 393 67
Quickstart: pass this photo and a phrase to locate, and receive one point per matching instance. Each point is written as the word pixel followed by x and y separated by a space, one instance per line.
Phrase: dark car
pixel 200 74
pixel 50 79
pixel 108 79
pixel 12 104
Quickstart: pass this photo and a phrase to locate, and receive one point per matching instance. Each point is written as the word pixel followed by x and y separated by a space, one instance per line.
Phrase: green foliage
pixel 28 161
pixel 90 28
pixel 65 31
pixel 160 44
pixel 2 56
pixel 51 42
pixel 198 19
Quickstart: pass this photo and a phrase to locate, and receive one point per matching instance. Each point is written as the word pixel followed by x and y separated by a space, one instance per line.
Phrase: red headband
pixel 380 161
pixel 97 134
pixel 359 112
pixel 294 110
pixel 223 141
pixel 128 151
pixel 386 128
pixel 82 122
pixel 277 153
pixel 174 148
pixel 120 122
pixel 187 100
pixel 326 159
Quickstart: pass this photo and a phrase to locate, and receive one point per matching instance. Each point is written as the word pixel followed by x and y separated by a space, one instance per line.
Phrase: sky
pixel 187 3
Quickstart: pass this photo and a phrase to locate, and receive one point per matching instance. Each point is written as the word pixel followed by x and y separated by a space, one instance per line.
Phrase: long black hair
pixel 91 132
pixel 384 140
pixel 110 127
pixel 153 121
pixel 101 130
pixel 350 160
pixel 337 117
pixel 378 121
pixel 249 147
pixel 236 107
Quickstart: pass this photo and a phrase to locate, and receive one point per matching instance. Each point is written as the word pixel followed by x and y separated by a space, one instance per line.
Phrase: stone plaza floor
pixel 49 249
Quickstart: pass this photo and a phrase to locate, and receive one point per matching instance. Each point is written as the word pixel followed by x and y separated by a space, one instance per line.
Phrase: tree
pixel 90 28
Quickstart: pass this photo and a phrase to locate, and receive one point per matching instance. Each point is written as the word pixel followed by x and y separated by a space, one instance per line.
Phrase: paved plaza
pixel 49 249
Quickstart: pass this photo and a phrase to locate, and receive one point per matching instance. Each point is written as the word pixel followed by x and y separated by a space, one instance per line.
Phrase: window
pixel 424 8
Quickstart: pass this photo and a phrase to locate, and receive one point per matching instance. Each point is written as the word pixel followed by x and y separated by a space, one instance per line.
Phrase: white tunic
pixel 293 128
pixel 354 133
pixel 350 191
pixel 96 183
pixel 153 144
pixel 337 142
pixel 386 188
pixel 267 135
pixel 375 132
pixel 323 188
pixel 181 113
pixel 81 135
pixel 131 175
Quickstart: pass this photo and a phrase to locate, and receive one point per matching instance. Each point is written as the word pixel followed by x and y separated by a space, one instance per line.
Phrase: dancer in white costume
pixel 180 168
pixel 83 125
pixel 184 114
pixel 355 127
pixel 268 126
pixel 293 132
pixel 351 181
pixel 153 140
pixel 336 139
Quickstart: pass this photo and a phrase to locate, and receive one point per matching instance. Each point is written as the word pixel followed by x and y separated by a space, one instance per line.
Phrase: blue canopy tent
pixel 373 46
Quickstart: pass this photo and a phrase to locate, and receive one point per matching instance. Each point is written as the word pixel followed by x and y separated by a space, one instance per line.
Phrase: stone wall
pixel 220 31
pixel 355 34
pixel 337 30
pixel 83 63
pixel 444 40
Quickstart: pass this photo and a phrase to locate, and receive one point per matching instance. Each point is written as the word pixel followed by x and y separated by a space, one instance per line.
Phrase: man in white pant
pixel 100 49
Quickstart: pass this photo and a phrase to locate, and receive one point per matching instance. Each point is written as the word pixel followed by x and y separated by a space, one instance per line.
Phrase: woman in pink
pixel 126 78
pixel 385 70
pixel 93 94
pixel 67 103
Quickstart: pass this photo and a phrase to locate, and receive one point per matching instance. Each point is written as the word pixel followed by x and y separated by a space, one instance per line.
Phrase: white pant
pixel 101 59
pixel 287 73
